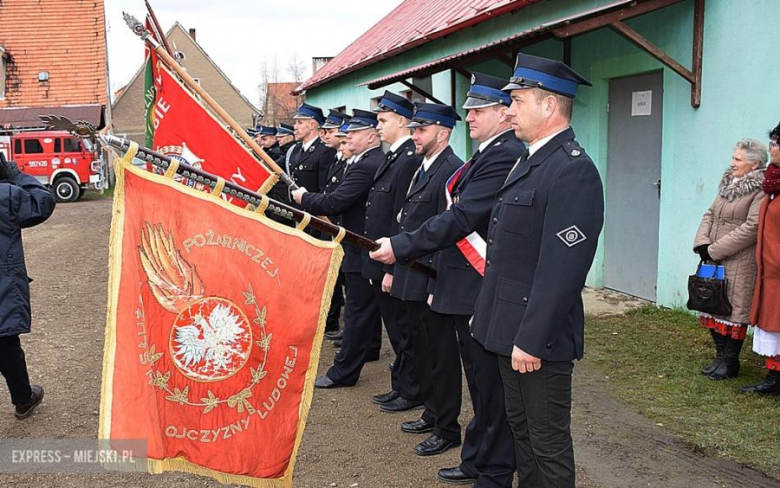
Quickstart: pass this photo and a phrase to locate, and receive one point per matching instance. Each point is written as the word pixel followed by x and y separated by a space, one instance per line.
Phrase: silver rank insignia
pixel 334 179
pixel 571 236
pixel 575 152
pixel 311 149
pixel 300 166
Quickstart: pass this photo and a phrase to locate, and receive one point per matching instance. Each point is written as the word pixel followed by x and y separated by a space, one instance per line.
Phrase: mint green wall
pixel 740 98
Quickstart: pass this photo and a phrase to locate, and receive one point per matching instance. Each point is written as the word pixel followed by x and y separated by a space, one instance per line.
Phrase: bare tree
pixel 296 68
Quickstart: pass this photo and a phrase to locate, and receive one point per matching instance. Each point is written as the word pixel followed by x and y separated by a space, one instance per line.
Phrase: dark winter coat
pixel 23 203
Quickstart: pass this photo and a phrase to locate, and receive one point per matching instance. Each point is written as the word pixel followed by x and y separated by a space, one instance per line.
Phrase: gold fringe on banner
pixel 157 466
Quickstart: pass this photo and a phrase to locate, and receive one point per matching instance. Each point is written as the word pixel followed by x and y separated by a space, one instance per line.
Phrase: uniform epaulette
pixel 573 149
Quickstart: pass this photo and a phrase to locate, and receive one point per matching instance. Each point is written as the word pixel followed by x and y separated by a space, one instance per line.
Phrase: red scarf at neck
pixel 772 180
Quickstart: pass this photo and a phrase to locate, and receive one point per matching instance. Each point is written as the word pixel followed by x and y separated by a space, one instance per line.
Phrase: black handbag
pixel 708 294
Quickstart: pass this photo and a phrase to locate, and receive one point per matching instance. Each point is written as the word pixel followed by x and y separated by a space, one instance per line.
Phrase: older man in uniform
pixel 385 199
pixel 543 234
pixel 435 352
pixel 487 457
pixel 361 313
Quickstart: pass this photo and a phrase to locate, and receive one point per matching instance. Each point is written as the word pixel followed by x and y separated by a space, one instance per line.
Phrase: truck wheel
pixel 65 189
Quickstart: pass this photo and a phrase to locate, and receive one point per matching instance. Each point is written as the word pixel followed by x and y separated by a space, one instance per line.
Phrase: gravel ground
pixel 348 441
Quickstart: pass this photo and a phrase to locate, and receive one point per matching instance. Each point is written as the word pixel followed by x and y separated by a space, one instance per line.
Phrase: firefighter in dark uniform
pixel 285 136
pixel 385 200
pixel 269 143
pixel 361 313
pixel 435 350
pixel 309 160
pixel 331 129
pixel 543 234
pixel 487 456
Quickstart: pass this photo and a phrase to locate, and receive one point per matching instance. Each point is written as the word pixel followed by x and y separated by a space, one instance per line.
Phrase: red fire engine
pixel 56 159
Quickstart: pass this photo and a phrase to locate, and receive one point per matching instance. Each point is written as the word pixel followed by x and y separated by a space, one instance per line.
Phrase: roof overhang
pixel 610 15
pixel 27 118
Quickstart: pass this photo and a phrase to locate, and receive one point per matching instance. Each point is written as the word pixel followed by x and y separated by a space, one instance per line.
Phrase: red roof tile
pixel 66 38
pixel 411 24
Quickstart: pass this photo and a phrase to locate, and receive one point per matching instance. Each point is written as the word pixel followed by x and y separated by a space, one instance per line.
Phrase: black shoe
pixel 434 445
pixel 770 385
pixel 720 344
pixel 333 335
pixel 25 410
pixel 370 358
pixel 455 476
pixel 729 367
pixel 326 382
pixel 418 426
pixel 385 397
pixel 400 404
pixel 337 344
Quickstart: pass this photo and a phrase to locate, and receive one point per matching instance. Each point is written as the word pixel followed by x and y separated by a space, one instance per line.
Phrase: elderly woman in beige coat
pixel 727 235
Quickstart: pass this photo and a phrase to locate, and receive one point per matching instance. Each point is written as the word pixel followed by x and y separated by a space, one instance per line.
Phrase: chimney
pixel 192 34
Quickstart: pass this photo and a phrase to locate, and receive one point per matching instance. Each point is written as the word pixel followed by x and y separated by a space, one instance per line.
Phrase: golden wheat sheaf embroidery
pixel 174 282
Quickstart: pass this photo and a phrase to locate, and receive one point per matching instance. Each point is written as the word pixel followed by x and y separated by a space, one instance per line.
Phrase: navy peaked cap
pixel 486 91
pixel 285 130
pixel 307 111
pixel 343 129
pixel 335 119
pixel 390 102
pixel 434 114
pixel 362 119
pixel 547 74
pixel 267 130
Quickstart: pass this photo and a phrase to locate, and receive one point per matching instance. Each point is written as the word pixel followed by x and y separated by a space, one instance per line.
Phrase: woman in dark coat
pixel 765 312
pixel 23 203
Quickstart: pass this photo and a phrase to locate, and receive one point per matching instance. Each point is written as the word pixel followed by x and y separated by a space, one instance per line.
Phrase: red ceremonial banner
pixel 185 130
pixel 215 322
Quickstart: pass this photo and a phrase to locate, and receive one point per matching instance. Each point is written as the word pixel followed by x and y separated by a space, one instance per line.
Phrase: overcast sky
pixel 240 34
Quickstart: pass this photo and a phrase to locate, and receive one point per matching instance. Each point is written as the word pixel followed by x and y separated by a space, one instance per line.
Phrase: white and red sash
pixel 472 246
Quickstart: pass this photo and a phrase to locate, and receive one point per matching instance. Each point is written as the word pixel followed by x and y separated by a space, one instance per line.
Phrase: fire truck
pixel 56 159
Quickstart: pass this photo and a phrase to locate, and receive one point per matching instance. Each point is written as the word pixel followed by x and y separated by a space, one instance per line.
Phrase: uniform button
pixel 368 204
pixel 549 346
pixel 495 220
pixel 405 214
pixel 372 188
pixel 500 199
pixel 525 299
pixel 490 242
pixel 402 227
pixel 468 265
pixel 515 198
pixel 366 217
pixel 487 263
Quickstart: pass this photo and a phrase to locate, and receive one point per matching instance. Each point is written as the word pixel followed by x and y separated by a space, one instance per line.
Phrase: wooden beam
pixel 453 90
pixel 651 48
pixel 422 92
pixel 636 9
pixel 507 60
pixel 698 47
